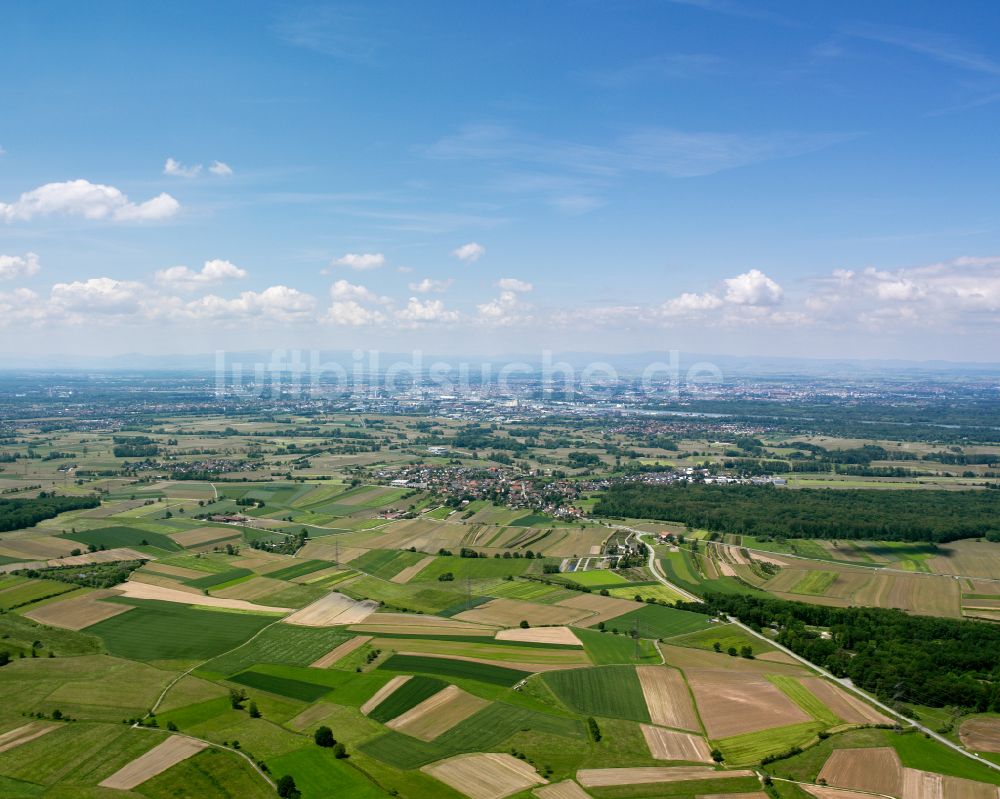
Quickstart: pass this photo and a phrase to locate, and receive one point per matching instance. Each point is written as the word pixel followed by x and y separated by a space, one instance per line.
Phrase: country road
pixel 845 683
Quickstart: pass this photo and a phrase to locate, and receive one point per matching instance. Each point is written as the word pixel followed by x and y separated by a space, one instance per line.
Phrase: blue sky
pixel 713 175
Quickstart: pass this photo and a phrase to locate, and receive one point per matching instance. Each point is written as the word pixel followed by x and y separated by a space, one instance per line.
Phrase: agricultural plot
pixel 731 704
pixel 876 770
pixel 540 635
pixel 27 591
pixel 530 657
pixel 612 691
pixel 386 563
pixel 146 591
pixel 751 747
pixel 726 636
pixel 157 760
pixel 438 713
pixel 981 734
pixel 454 668
pixel 670 745
pixel 485 776
pixel 667 698
pixel 400 696
pixel 111 537
pixel 658 622
pixel 281 645
pixel 167 630
pixel 331 610
pixel 610 777
pixel 79 611
pixel 25 733
pixel 511 612
pixel 283 686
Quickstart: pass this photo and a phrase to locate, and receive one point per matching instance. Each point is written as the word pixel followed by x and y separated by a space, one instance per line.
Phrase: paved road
pixel 846 683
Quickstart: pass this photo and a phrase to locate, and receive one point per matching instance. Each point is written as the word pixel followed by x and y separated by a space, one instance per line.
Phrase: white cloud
pixel 343 290
pixel 752 288
pixel 88 200
pixel 513 284
pixel 21 305
pixel 221 169
pixel 469 252
pixel 274 304
pixel 100 295
pixel 419 312
pixel 178 170
pixel 214 271
pixel 428 285
pixel 12 266
pixel 351 313
pixel 687 304
pixel 360 261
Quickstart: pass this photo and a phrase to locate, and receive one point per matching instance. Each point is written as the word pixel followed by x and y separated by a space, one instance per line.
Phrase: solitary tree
pixel 254 711
pixel 324 737
pixel 287 789
pixel 339 751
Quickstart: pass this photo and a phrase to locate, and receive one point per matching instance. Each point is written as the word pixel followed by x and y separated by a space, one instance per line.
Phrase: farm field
pixel 329 599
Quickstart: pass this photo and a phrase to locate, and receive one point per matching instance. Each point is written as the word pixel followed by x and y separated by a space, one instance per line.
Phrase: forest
pixel 897 657
pixel 18 513
pixel 871 514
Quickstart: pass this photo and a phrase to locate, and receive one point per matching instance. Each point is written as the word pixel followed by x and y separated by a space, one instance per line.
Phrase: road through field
pixel 846 683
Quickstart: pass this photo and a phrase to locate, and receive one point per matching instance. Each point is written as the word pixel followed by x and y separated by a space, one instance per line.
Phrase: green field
pixel 283 686
pixel 111 537
pixel 447 667
pixel 299 569
pixel 386 563
pixel 805 699
pixel 402 751
pixel 815 583
pixel 315 770
pixel 209 773
pixel 659 622
pixel 26 591
pixel 726 635
pixel 750 747
pixel 612 691
pixel 166 630
pixel 476 568
pixel 601 577
pixel 410 694
pixel 607 649
pixel 219 578
pixel 282 644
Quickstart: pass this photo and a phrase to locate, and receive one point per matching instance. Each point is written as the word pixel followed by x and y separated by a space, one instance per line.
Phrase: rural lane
pixel 846 683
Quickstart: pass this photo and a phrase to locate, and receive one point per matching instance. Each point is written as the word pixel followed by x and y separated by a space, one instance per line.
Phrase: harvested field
pixel 599 608
pixel 202 535
pixel 876 770
pixel 670 745
pixel 751 795
pixel 844 705
pixel 343 650
pixel 136 590
pixel 667 698
pixel 567 789
pixel 427 648
pixel 732 703
pixel 510 612
pixel 321 550
pixel 149 578
pixel 333 609
pixel 608 777
pixel 438 714
pixel 174 571
pixel 79 611
pixel 689 658
pixel 823 792
pixel 43 547
pixel 383 693
pixel 157 760
pixel 424 624
pixel 926 785
pixel 540 635
pixel 105 556
pixel 252 589
pixel 981 735
pixel 25 733
pixel 410 572
pixel 485 776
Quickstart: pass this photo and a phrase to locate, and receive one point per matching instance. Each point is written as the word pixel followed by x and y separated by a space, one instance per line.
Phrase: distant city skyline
pixel 745 178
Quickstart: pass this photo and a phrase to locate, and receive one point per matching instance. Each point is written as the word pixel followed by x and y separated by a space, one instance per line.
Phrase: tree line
pixel 872 514
pixel 897 657
pixel 18 513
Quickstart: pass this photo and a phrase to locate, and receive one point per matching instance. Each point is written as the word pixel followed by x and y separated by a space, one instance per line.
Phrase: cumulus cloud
pixel 687 304
pixel 100 295
pixel 274 304
pixel 428 285
pixel 92 201
pixel 513 284
pixel 221 169
pixel 13 266
pixel 176 169
pixel 343 290
pixel 752 288
pixel 213 272
pixel 360 261
pixel 469 252
pixel 421 312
